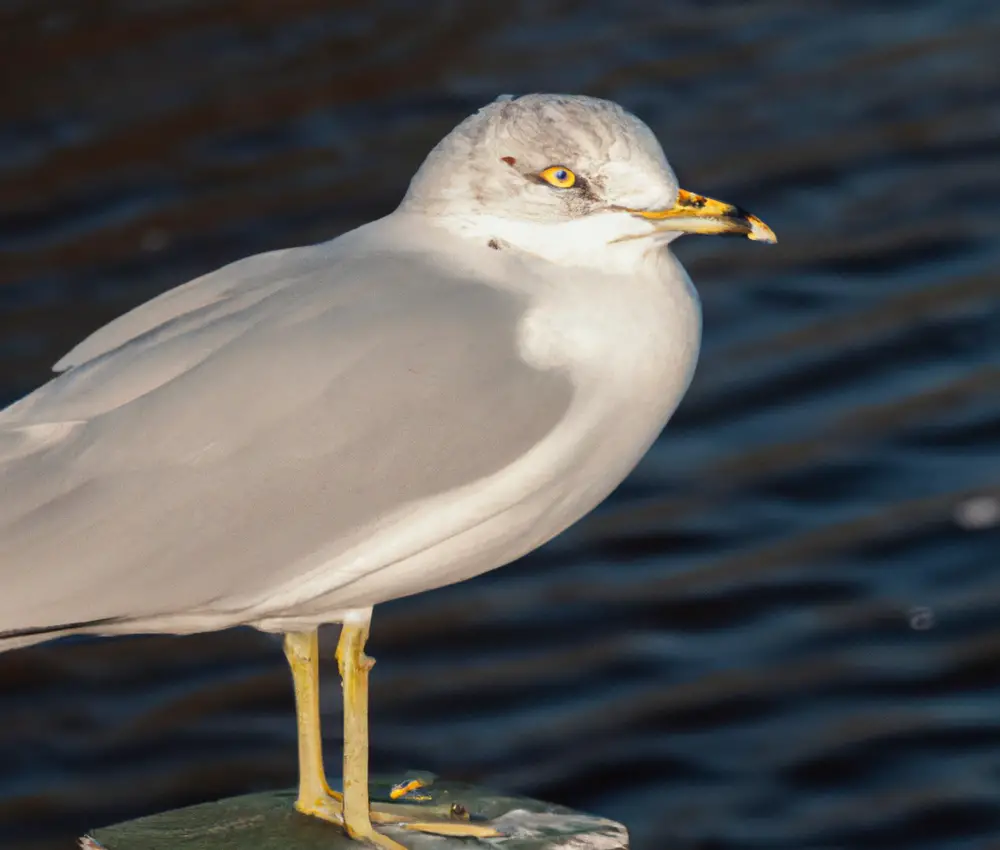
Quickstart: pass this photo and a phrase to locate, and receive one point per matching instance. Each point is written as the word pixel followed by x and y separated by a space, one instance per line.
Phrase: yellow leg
pixel 354 666
pixel 315 797
pixel 351 809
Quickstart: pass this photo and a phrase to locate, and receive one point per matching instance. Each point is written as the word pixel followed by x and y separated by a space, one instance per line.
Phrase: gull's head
pixel 569 178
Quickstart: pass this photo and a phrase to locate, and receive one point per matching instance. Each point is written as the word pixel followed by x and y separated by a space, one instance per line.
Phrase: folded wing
pixel 202 446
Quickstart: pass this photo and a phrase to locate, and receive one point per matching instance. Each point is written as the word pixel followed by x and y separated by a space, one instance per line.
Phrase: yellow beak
pixel 697 214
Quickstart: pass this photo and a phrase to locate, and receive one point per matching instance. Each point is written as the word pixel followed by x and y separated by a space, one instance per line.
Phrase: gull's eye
pixel 559 176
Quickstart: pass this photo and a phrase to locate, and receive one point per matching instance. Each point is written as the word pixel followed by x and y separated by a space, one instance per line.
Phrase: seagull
pixel 289 440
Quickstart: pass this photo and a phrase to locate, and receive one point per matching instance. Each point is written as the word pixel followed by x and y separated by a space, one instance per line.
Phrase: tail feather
pixel 16 638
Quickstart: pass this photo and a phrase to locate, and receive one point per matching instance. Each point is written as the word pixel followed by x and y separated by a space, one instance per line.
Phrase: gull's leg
pixel 315 797
pixel 354 668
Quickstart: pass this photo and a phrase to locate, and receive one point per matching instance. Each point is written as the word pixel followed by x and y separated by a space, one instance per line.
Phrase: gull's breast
pixel 629 339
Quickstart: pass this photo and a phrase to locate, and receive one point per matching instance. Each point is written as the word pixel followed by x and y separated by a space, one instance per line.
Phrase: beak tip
pixel 760 232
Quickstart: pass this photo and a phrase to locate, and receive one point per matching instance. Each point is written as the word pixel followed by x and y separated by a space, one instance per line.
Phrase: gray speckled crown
pixel 598 139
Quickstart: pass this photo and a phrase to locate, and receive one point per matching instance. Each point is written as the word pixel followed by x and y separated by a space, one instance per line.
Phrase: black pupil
pixel 561 175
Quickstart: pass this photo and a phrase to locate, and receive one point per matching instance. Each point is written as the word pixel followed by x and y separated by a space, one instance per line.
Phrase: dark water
pixel 782 631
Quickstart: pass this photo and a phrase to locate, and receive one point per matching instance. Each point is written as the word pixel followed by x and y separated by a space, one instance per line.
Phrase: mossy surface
pixel 268 821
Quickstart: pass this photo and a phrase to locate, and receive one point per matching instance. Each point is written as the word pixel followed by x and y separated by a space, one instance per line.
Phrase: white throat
pixel 597 242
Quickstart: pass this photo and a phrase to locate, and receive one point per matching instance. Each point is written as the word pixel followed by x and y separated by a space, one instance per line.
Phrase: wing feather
pixel 243 276
pixel 198 449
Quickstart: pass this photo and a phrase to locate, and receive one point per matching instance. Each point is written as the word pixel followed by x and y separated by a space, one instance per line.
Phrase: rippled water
pixel 782 630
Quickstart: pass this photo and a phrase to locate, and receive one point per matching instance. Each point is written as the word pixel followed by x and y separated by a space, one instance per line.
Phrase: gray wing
pixel 193 459
pixel 233 286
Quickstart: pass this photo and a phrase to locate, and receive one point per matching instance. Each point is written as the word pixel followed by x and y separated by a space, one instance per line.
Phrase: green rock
pixel 268 821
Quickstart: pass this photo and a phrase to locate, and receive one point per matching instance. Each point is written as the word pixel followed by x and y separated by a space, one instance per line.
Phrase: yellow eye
pixel 559 176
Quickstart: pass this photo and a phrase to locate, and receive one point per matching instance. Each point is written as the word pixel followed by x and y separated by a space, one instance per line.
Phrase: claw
pixel 328 809
pixel 376 838
pixel 457 830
